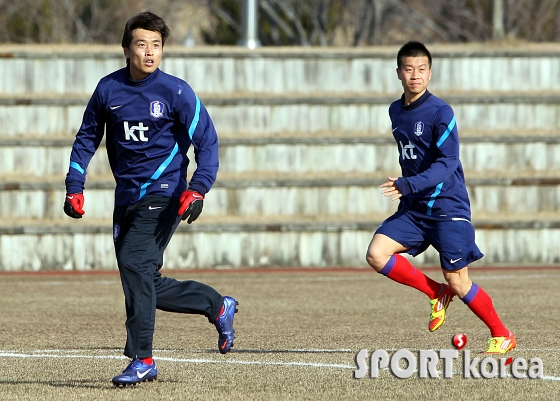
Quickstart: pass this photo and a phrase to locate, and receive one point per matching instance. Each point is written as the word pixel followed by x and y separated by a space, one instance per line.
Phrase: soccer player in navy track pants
pixel 142 232
pixel 150 119
pixel 434 207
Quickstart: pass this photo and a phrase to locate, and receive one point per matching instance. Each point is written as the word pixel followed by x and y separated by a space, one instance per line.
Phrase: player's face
pixel 144 53
pixel 415 74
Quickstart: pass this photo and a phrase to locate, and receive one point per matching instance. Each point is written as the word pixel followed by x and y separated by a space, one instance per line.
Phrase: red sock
pixel 147 361
pixel 481 304
pixel 399 269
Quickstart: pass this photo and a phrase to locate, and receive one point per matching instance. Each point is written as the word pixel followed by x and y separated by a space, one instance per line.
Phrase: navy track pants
pixel 141 232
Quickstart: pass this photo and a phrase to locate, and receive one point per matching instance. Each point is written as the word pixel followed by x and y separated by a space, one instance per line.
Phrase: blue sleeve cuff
pixel 74 187
pixel 195 186
pixel 404 186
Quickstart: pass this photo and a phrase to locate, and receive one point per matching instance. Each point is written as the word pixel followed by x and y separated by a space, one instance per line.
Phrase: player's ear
pixel 398 72
pixel 126 52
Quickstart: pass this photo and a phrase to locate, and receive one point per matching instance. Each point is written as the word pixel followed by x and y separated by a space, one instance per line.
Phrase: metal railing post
pixel 250 18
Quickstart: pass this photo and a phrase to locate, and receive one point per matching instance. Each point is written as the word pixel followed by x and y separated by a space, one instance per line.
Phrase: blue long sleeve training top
pixel 150 125
pixel 432 183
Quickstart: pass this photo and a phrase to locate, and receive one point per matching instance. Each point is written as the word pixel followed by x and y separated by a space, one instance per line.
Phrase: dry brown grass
pixel 61 337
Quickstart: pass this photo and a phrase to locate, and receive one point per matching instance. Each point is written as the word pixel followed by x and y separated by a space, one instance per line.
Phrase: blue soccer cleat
pixel 224 324
pixel 136 372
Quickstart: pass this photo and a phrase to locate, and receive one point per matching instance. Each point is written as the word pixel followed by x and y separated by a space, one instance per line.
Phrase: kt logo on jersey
pixel 130 132
pixel 407 151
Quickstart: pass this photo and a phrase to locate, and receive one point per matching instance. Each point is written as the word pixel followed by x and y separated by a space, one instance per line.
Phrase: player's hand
pixel 73 205
pixel 390 189
pixel 190 205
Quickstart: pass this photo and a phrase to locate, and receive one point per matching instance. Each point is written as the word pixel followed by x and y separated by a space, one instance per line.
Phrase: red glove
pixel 73 205
pixel 190 205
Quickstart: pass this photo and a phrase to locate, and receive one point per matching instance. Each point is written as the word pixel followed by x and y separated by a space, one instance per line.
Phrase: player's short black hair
pixel 413 49
pixel 145 20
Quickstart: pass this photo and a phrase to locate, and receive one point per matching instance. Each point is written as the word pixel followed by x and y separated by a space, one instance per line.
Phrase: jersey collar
pixel 141 82
pixel 417 103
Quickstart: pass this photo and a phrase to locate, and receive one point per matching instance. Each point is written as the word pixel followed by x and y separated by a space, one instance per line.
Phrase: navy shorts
pixel 453 239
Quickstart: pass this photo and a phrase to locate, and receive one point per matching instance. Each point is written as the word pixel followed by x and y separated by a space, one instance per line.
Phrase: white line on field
pixel 52 354
pixel 188 360
pixel 237 362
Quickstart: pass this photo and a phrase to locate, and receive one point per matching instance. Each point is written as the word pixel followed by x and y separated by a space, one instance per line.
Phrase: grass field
pixel 297 335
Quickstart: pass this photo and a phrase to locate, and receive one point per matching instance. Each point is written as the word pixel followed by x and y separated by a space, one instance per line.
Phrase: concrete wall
pixel 305 142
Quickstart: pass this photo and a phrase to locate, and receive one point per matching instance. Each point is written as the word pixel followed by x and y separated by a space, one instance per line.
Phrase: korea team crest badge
pixel 419 128
pixel 156 109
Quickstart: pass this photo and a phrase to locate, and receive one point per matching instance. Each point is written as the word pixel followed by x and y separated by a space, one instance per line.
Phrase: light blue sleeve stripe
pixel 77 167
pixel 159 171
pixel 433 198
pixel 447 132
pixel 195 119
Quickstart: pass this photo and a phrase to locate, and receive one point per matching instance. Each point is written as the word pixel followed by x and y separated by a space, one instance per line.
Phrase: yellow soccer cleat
pixel 439 307
pixel 501 345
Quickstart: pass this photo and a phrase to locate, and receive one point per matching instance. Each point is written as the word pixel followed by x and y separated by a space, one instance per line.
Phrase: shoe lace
pixel 433 304
pixel 493 343
pixel 131 366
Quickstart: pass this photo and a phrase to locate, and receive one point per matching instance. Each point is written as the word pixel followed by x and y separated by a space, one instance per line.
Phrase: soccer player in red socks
pixel 434 206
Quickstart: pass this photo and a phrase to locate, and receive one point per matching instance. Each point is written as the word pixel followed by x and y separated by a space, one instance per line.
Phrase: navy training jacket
pixel 150 125
pixel 432 183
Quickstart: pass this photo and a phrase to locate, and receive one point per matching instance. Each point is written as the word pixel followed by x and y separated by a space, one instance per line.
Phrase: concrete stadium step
pixel 356 151
pixel 232 242
pixel 260 195
pixel 77 69
pixel 320 137
pixel 319 152
pixel 293 112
